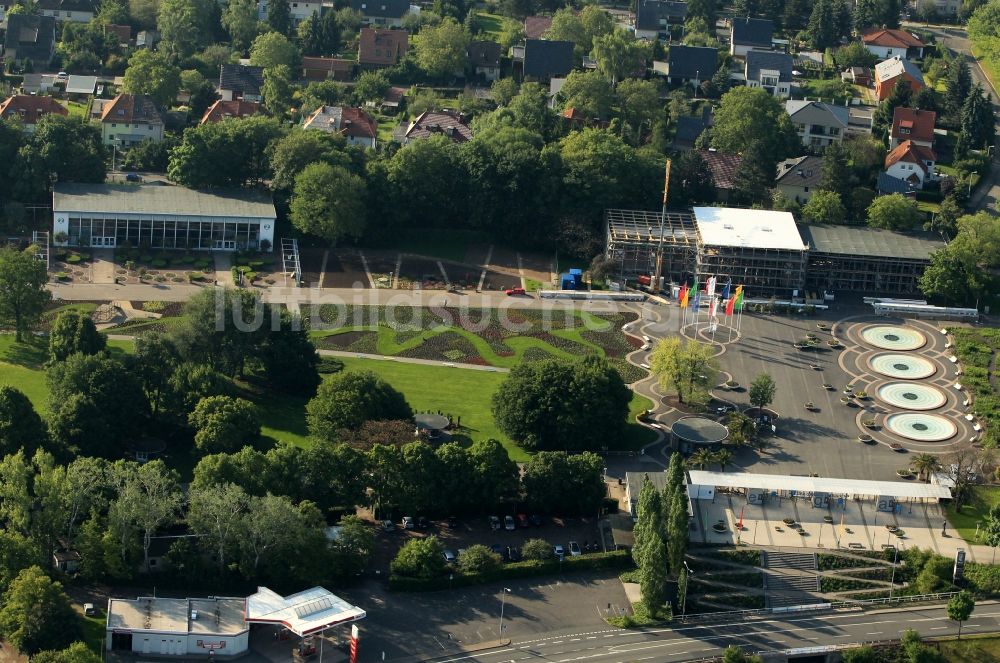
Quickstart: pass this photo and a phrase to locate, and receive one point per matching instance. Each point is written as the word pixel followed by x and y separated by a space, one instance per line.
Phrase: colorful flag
pixel 710 287
pixel 682 296
pixel 739 298
pixel 726 290
pixel 713 308
pixel 730 304
pixel 697 294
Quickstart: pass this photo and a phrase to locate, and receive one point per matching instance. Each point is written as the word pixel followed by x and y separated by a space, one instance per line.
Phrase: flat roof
pixel 305 612
pixel 748 228
pixel 215 616
pixel 865 241
pixel 817 484
pixel 699 430
pixel 161 199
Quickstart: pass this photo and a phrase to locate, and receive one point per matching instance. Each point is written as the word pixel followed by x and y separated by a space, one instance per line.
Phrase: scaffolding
pixel 831 272
pixel 635 236
pixel 40 240
pixel 761 271
pixel 290 263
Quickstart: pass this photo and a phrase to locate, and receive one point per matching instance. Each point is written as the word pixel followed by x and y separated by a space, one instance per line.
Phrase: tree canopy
pixel 349 399
pixel 22 290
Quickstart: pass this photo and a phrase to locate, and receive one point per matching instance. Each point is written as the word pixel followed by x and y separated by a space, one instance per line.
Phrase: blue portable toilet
pixel 577 275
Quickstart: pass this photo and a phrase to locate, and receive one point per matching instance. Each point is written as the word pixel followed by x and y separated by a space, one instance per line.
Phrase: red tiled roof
pixel 895 38
pixel 30 108
pixel 912 153
pixel 357 123
pixel 132 108
pixel 382 46
pixel 723 166
pixel 222 109
pixel 536 26
pixel 919 122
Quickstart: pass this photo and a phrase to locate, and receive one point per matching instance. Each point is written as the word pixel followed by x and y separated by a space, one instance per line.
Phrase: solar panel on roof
pixel 312 607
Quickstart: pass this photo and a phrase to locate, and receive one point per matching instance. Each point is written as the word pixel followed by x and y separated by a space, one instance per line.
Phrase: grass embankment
pixel 490 25
pixel 964 521
pixel 972 649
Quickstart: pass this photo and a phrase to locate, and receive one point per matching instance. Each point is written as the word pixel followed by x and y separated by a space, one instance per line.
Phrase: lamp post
pixel 503 600
pixel 895 563
pixel 684 600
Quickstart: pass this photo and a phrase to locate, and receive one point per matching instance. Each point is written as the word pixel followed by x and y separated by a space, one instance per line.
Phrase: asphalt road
pixel 609 645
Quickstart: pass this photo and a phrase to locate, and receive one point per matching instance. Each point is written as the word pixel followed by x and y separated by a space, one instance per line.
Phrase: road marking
pixel 592 637
pixel 874 633
pixel 938 628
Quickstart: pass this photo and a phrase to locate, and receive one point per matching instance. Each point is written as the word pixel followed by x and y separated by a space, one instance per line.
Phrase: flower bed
pixel 976 349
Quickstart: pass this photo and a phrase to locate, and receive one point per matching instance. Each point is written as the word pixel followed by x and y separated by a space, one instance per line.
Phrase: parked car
pixel 408 522
pixel 388 525
pixel 574 549
pixel 508 523
pixel 62 76
pixel 522 520
pixel 513 554
pixel 449 557
pixel 132 177
pixel 536 520
pixel 494 523
pixel 89 609
pixel 559 551
pixel 423 523
pixel 514 291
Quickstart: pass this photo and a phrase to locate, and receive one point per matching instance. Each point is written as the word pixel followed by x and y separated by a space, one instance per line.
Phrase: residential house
pixel 691 64
pixel 798 178
pixel 392 100
pixel 353 123
pixel 911 163
pixel 544 59
pixel 943 7
pixel 724 166
pixel 914 125
pixel 379 48
pixel 895 69
pixel 535 27
pixel 319 69
pixel 747 34
pixel 577 119
pixel 483 59
pixel 887 43
pixel 30 38
pixel 77 11
pixel 654 18
pixel 857 75
pixel 223 110
pixel 818 124
pixel 81 87
pixel 888 184
pixel 65 558
pixel 240 81
pixel 382 13
pixel 448 123
pixel 299 10
pixel 130 119
pixel 29 109
pixel 770 71
pixel 122 32
pixel 689 128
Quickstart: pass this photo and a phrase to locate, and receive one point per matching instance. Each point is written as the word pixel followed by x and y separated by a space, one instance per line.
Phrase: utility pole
pixel 657 285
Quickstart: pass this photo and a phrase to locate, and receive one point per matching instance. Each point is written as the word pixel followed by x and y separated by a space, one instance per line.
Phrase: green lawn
pixel 983 497
pixel 491 25
pixel 929 207
pixel 94 631
pixel 76 109
pixel 972 649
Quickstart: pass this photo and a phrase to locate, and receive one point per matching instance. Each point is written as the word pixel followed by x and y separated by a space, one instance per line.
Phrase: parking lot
pixel 471 531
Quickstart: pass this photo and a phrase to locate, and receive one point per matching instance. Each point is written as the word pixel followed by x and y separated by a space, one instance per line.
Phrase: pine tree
pixel 279 15
pixel 959 83
pixel 823 25
pixel 836 171
pixel 675 472
pixel 650 523
pixel 977 119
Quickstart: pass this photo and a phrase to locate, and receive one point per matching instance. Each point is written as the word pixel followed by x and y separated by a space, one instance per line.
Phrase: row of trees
pixel 661 537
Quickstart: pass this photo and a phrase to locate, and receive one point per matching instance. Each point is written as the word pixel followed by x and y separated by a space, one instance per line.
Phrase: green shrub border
pixel 616 559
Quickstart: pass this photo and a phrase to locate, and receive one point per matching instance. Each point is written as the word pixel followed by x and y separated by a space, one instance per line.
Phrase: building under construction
pixel 766 251
pixel 863 259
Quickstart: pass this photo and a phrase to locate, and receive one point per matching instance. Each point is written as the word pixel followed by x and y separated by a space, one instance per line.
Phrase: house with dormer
pixel 913 125
pixel 130 119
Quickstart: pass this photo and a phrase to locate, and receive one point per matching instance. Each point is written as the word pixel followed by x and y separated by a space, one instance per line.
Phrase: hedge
pixel 831 584
pixel 616 559
pixel 749 557
pixel 829 562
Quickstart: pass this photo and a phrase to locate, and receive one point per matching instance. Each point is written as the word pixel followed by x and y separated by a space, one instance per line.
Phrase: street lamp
pixel 895 563
pixel 503 600
pixel 684 600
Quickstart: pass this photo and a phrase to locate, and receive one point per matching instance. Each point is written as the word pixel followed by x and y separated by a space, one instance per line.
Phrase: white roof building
pixel 748 228
pixel 177 627
pixel 81 84
pixel 799 484
pixel 310 611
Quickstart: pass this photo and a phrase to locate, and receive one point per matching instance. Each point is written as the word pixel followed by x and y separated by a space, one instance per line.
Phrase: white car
pixel 408 522
pixel 559 551
pixel 509 524
pixel 574 549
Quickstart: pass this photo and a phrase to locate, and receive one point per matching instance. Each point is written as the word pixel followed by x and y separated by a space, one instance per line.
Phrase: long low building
pixel 767 252
pixel 162 217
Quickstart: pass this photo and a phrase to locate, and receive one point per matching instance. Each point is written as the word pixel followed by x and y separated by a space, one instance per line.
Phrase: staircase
pixel 790 578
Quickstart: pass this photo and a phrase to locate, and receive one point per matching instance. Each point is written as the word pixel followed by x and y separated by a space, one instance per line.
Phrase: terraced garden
pixel 478 336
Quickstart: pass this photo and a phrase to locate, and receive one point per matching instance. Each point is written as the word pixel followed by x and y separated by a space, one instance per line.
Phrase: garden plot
pixel 382 265
pixel 70 266
pixel 137 266
pixel 345 269
pixel 257 268
pixel 420 274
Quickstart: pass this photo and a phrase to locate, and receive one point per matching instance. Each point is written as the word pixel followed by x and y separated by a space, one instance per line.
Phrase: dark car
pixel 423 523
pixel 497 549
pixel 132 177
pixel 536 520
pixel 522 520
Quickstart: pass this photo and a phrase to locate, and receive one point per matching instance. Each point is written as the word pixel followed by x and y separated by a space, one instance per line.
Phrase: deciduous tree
pixel 441 49
pixel 74 332
pixel 271 49
pixel 685 366
pixel 588 92
pixel 349 399
pixel 37 614
pixel 420 558
pixel 151 73
pixel 224 424
pixel 893 212
pixel 328 201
